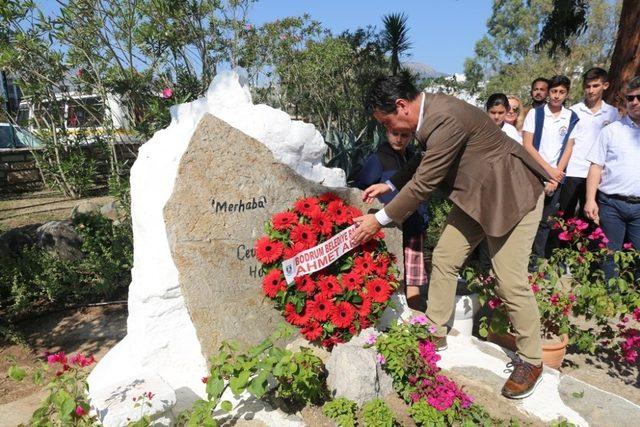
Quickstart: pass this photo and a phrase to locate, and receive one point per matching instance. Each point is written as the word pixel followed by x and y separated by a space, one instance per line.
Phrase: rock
pixel 13 241
pixel 161 336
pixel 354 373
pixel 115 406
pixel 110 210
pixel 218 208
pixel 61 239
pixel 84 207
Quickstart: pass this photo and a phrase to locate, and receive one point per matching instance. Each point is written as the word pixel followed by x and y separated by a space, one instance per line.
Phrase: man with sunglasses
pixel 614 174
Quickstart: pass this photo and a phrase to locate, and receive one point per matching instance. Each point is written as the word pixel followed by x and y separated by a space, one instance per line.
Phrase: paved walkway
pixel 556 397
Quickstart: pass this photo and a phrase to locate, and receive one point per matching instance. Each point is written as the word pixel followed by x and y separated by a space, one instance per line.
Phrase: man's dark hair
pixel 384 92
pixel 497 99
pixel 595 73
pixel 633 84
pixel 539 79
pixel 556 81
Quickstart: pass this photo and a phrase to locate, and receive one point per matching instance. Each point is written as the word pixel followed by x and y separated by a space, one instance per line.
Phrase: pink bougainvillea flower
pixel 555 298
pixel 535 288
pixel 80 411
pixel 565 236
pixel 381 359
pixel 167 93
pixel 572 298
pixel 627 246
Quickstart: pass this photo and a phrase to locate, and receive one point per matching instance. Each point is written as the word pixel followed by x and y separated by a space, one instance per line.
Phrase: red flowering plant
pixel 333 304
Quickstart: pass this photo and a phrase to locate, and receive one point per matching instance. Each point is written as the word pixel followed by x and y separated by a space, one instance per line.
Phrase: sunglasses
pixel 630 98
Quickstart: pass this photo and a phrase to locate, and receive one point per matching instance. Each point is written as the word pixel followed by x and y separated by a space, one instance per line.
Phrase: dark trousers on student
pixel 551 205
pixel 572 196
pixel 620 222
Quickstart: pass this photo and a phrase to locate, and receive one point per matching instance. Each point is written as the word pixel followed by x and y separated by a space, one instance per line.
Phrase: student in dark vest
pixel 547 137
pixel 390 157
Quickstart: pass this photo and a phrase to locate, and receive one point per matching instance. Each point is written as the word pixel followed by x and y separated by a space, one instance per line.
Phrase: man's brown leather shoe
pixel 523 380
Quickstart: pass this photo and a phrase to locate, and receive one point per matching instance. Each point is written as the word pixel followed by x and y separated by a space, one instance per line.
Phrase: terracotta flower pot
pixel 553 353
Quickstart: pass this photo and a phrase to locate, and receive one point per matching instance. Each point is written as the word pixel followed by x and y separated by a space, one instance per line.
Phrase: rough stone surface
pixel 110 210
pixel 84 207
pixel 597 407
pixel 61 239
pixel 227 186
pixel 115 406
pixel 354 373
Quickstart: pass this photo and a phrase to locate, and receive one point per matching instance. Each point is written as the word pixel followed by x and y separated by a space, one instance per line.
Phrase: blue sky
pixel 443 32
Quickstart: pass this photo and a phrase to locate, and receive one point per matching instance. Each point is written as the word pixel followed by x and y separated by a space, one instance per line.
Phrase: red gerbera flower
pixel 369 246
pixel 312 330
pixel 267 250
pixel 305 284
pixel 379 290
pixel 379 235
pixel 284 220
pixel 352 212
pixel 320 307
pixel 382 265
pixel 307 207
pixel 364 264
pixel 329 285
pixel 293 317
pixel 272 283
pixel 328 197
pixel 294 250
pixel 338 212
pixel 352 280
pixel 302 233
pixel 365 323
pixel 365 308
pixel 320 223
pixel 342 314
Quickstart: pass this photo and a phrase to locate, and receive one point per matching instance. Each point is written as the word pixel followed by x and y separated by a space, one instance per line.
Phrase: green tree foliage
pixel 508 58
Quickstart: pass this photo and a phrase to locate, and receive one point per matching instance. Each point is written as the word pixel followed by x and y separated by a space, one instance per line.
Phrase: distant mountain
pixel 423 70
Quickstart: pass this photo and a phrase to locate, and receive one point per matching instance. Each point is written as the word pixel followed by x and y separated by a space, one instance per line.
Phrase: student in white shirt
pixel 614 175
pixel 497 107
pixel 547 136
pixel 594 114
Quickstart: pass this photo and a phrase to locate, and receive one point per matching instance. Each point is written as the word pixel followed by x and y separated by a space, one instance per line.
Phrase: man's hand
pixel 367 227
pixel 373 191
pixel 591 211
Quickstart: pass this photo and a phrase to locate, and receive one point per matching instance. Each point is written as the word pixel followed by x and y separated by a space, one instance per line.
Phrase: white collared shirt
pixel 512 132
pixel 617 150
pixel 553 132
pixel 586 133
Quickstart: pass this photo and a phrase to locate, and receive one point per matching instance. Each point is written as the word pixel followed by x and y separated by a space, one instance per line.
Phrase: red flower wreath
pixel 335 303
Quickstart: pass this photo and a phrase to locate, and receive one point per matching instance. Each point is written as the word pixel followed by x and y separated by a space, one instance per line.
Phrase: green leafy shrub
pixel 37 278
pixel 300 377
pixel 342 411
pixel 376 413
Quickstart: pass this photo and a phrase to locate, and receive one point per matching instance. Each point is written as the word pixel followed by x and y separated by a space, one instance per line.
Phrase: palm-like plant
pixel 395 38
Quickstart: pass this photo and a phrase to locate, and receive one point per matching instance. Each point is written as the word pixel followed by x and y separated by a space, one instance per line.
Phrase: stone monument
pixel 201 190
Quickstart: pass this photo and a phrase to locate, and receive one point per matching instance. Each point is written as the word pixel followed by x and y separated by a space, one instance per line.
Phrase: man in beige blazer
pixel 496 188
